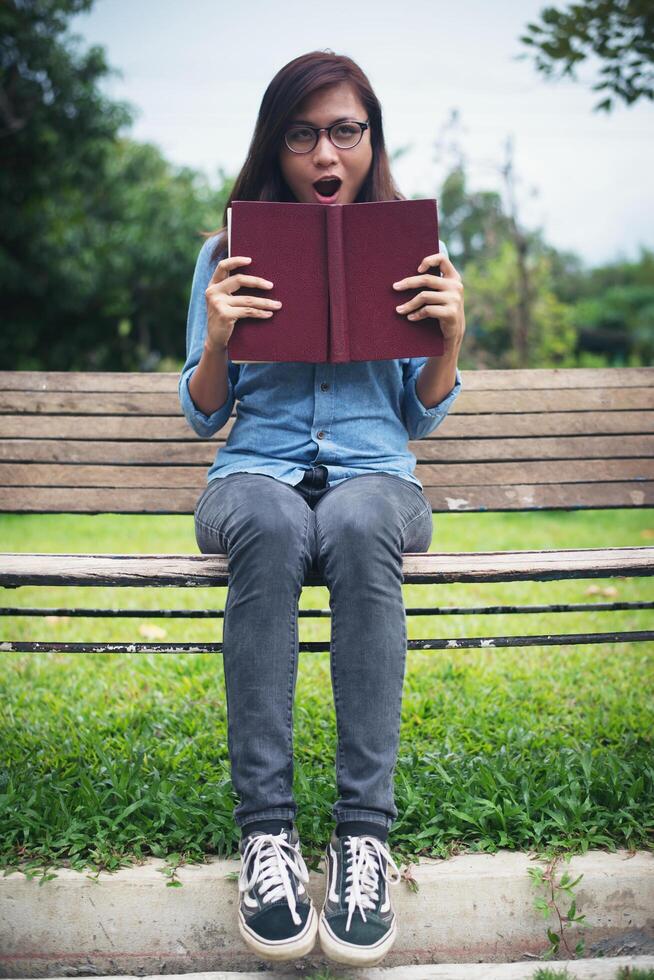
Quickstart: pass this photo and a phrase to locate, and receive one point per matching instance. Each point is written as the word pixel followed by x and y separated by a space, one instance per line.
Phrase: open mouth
pixel 326 189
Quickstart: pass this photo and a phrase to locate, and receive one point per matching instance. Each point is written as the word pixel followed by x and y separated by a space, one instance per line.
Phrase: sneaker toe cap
pixel 360 933
pixel 276 922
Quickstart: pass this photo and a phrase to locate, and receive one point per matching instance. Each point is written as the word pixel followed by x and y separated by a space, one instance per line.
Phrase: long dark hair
pixel 261 178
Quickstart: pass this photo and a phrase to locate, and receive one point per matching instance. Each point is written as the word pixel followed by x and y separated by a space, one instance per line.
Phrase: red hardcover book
pixel 333 267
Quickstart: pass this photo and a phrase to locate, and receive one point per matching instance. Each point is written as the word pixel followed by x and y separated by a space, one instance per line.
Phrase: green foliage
pixel 595 318
pixel 571 316
pixel 471 223
pixel 56 130
pixel 98 234
pixel 492 298
pixel 122 257
pixel 618 320
pixel 619 33
pixel 126 257
pixel 558 889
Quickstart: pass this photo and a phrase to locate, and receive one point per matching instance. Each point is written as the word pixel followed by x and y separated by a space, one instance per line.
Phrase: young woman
pixel 315 473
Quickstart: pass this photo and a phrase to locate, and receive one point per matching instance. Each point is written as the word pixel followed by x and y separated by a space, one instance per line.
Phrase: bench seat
pixel 429 568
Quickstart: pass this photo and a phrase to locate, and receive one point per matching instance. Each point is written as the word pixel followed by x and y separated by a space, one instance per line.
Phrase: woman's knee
pixel 357 509
pixel 256 512
pixel 353 536
pixel 374 512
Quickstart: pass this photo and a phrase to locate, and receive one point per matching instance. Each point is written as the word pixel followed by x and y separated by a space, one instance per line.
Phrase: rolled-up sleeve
pixel 420 421
pixel 196 332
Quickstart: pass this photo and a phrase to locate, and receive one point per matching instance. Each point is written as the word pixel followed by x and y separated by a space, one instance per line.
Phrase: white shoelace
pixel 362 877
pixel 268 859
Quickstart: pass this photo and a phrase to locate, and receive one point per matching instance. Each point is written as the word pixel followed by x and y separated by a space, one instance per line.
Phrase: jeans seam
pixel 337 701
pixel 208 491
pixel 412 521
pixel 332 659
pixel 291 673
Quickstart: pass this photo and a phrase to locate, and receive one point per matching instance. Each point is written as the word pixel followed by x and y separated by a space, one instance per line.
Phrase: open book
pixel 333 267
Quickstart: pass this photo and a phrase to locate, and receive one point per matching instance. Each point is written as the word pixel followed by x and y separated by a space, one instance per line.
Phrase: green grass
pixel 108 758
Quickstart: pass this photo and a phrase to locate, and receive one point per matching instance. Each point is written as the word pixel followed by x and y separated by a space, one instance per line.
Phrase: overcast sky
pixel 196 71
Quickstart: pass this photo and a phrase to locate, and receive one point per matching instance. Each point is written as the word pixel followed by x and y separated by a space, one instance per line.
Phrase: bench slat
pixel 323 646
pixel 88 612
pixel 566 496
pixel 202 452
pixel 449 475
pixel 545 378
pixel 164 429
pixel 209 570
pixel 468 402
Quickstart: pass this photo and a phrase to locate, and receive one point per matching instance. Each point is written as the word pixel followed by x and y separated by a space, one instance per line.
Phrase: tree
pixel 98 233
pixel 478 225
pixel 121 262
pixel 493 309
pixel 56 129
pixel 619 32
pixel 613 313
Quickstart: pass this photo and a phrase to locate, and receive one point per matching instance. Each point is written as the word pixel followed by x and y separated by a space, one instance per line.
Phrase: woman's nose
pixel 325 149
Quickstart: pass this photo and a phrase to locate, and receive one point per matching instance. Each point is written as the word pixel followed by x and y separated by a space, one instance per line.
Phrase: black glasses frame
pixel 327 129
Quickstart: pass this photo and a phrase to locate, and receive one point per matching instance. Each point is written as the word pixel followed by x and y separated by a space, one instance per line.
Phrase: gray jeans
pixel 354 534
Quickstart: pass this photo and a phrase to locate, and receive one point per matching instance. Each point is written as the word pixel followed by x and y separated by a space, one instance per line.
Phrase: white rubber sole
pixel 349 953
pixel 278 950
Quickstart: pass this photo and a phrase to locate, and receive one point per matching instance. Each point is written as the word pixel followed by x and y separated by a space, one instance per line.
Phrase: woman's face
pixel 301 170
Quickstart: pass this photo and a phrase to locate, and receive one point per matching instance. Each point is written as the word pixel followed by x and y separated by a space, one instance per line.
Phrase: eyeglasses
pixel 344 136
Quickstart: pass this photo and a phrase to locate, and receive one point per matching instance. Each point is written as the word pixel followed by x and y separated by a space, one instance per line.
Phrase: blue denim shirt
pixel 353 418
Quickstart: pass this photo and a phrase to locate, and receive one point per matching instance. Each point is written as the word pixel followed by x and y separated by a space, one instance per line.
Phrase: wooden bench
pixel 515 441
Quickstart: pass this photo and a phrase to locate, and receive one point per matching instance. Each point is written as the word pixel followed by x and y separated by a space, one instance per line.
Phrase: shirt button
pixel 321 435
pixel 324 386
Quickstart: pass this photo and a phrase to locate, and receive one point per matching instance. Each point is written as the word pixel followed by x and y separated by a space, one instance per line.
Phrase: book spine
pixel 338 349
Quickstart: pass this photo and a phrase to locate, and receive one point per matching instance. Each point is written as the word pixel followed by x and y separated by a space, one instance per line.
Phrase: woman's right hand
pixel 224 309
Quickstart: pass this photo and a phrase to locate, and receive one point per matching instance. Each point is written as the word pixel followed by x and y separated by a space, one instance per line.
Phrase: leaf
pixel 152 632
pixel 129 809
pixel 609 590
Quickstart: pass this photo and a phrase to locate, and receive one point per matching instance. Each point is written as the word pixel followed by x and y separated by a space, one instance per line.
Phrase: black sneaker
pixel 276 917
pixel 357 924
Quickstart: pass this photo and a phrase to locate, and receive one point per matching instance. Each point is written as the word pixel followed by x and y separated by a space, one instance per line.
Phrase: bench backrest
pixel 514 440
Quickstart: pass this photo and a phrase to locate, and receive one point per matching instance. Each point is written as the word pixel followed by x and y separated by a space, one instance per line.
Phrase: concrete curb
pixel 471 908
pixel 606 969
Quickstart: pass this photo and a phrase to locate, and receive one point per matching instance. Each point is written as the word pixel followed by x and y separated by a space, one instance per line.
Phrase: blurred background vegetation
pixel 99 233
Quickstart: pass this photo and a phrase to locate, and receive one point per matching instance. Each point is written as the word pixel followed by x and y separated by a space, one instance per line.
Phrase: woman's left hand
pixel 441 298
